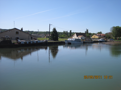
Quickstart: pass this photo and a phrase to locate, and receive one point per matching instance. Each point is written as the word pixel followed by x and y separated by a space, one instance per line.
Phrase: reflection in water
pixel 16 53
pixel 73 46
pixel 54 50
pixel 115 50
pixel 69 69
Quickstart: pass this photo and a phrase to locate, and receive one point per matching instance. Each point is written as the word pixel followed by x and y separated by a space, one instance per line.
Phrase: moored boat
pixel 73 41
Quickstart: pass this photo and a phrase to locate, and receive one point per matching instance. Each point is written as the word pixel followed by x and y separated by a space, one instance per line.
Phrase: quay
pixel 9 44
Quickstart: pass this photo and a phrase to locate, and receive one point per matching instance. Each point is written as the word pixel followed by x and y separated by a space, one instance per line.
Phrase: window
pixel 17 32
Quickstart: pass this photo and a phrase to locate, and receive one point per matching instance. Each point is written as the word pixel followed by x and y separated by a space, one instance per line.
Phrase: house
pixel 47 36
pixel 79 35
pixel 95 37
pixel 101 35
pixel 15 33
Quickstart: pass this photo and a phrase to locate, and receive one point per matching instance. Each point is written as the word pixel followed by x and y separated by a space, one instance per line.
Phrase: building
pixel 47 36
pixel 101 35
pixel 79 36
pixel 97 36
pixel 15 34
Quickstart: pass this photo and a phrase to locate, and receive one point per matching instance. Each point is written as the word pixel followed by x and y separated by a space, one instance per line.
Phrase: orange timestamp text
pixel 98 77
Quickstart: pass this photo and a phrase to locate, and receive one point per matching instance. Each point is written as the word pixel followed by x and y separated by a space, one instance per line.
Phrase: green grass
pixel 59 39
pixel 62 39
pixel 117 40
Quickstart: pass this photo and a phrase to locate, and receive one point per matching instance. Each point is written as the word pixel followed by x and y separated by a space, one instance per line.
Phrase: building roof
pixel 15 29
pixel 101 34
pixel 78 34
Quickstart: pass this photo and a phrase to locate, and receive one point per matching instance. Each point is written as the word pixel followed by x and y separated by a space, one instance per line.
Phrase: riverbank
pixel 9 44
pixel 112 42
pixel 14 45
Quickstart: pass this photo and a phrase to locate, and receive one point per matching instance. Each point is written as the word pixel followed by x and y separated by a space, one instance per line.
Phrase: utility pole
pixel 49 30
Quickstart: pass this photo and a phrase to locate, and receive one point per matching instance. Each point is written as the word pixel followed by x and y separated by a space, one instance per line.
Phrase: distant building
pixel 101 35
pixel 79 36
pixel 16 34
pixel 35 36
pixel 97 36
pixel 47 35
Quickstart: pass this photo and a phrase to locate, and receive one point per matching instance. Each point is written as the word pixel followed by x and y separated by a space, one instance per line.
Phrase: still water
pixel 61 67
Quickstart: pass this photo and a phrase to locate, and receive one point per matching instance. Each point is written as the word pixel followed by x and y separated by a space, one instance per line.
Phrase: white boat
pixel 73 41
pixel 68 41
pixel 101 40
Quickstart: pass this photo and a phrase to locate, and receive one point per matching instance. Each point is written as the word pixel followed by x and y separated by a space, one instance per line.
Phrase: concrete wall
pixel 14 33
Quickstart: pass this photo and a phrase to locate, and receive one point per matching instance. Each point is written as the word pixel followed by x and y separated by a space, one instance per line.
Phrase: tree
pixel 116 31
pixel 108 35
pixel 54 35
pixel 99 32
pixel 70 32
pixel 86 32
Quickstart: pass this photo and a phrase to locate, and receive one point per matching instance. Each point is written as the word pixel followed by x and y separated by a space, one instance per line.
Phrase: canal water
pixel 61 67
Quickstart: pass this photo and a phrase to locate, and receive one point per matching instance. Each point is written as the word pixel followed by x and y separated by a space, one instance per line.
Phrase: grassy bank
pixel 59 39
pixel 117 40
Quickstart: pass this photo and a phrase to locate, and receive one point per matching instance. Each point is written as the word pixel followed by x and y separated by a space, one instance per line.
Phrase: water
pixel 61 67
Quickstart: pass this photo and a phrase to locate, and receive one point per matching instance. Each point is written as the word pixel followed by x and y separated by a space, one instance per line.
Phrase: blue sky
pixel 65 15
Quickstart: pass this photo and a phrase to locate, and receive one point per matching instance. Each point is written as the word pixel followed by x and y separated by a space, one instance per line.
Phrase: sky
pixel 64 15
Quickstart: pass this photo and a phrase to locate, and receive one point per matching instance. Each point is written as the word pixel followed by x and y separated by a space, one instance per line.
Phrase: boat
pixel 73 41
pixel 101 40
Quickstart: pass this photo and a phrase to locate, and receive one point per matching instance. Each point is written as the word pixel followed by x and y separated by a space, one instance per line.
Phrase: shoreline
pixel 112 42
pixel 52 43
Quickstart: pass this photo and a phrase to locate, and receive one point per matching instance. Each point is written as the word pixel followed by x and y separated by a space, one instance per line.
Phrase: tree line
pixel 115 33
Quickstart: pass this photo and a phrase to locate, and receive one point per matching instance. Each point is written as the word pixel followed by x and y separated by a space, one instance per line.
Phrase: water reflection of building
pixel 16 53
pixel 73 46
pixel 78 46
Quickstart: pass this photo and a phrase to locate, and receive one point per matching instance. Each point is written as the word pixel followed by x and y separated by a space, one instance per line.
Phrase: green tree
pixel 116 31
pixel 87 35
pixel 108 35
pixel 99 32
pixel 70 32
pixel 86 32
pixel 54 35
